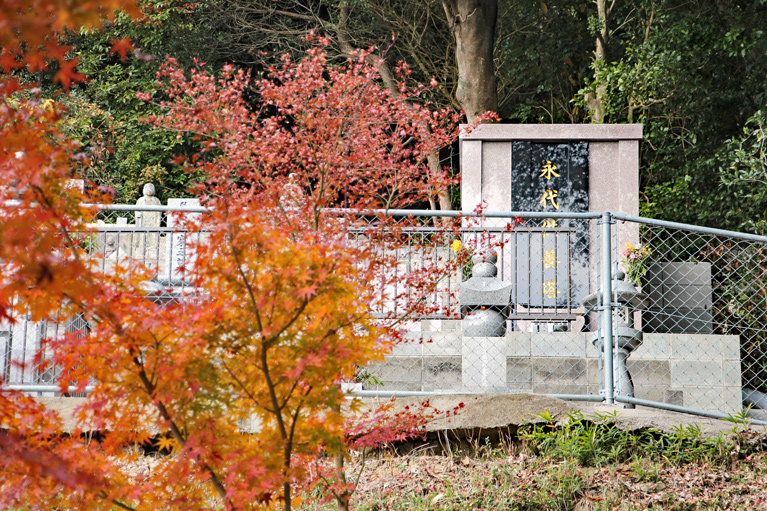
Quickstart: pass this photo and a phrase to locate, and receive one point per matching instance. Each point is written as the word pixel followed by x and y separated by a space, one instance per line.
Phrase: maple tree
pixel 240 376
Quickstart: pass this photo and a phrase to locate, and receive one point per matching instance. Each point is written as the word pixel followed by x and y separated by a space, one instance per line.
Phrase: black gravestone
pixel 528 185
pixel 550 267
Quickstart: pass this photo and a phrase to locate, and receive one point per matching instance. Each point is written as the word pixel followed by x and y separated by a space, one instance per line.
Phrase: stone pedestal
pixel 485 301
pixel 483 363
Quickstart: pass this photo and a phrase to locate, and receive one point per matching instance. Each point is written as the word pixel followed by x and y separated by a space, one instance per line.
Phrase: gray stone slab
pixel 730 347
pixel 519 372
pixel 560 388
pixel 560 370
pixel 653 279
pixel 732 400
pixel 694 274
pixel 674 397
pixel 450 324
pixel 442 373
pixel 518 344
pixel 594 373
pixel 496 178
pixel 555 132
pixel 705 398
pixel 695 347
pixel 652 393
pixel 442 344
pixel 654 296
pixel 484 362
pixel 654 346
pixel 408 348
pixel 650 373
pixel 559 344
pixel 430 325
pixel 670 320
pixel 471 161
pixel 687 296
pixel 731 373
pixel 397 370
pixel 628 180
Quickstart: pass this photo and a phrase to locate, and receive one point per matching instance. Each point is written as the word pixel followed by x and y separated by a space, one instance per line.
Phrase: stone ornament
pixel 146 244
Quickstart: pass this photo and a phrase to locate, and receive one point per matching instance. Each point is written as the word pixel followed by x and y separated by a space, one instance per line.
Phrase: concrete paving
pixel 497 411
pixel 505 411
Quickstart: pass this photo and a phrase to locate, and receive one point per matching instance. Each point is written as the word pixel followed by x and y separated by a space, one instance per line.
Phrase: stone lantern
pixel 626 338
pixel 485 301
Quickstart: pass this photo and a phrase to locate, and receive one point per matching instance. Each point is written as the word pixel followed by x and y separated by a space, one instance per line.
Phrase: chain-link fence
pixel 685 329
pixel 704 322
pixel 540 343
pixel 149 238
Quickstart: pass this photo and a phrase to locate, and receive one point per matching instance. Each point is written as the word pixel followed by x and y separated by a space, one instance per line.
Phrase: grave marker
pixel 176 252
pixel 556 168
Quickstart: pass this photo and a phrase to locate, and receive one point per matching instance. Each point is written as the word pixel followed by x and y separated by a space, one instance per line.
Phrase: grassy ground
pixel 588 464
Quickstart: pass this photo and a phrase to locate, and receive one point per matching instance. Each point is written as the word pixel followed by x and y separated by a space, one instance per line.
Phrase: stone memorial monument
pixel 597 167
pixel 551 168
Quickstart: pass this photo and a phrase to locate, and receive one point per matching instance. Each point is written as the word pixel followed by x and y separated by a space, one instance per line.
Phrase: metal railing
pixel 704 323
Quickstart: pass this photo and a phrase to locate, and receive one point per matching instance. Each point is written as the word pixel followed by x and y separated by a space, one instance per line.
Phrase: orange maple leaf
pixel 307 292
pixel 166 443
pixel 121 46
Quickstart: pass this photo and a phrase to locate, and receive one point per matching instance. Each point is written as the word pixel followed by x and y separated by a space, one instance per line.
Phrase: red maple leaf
pixel 307 292
pixel 121 46
pixel 67 74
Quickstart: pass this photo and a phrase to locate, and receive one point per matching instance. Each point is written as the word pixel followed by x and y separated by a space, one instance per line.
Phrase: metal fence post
pixel 607 309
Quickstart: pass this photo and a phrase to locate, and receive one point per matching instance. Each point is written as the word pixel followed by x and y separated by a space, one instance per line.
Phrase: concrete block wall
pixel 694 370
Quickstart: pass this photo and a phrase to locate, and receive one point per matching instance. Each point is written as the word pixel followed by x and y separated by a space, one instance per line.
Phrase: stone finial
pixel 484 265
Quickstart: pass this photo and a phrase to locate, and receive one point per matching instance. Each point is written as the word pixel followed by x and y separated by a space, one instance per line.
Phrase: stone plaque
pixel 549 176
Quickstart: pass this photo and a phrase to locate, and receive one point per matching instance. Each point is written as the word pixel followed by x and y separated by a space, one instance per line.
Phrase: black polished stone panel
pixel 528 186
pixel 551 260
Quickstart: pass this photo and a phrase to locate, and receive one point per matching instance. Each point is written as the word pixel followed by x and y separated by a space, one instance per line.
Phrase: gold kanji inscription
pixel 548 170
pixel 550 288
pixel 549 222
pixel 549 258
pixel 550 195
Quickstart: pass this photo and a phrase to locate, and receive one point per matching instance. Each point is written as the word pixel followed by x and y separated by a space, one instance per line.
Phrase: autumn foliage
pixel 238 378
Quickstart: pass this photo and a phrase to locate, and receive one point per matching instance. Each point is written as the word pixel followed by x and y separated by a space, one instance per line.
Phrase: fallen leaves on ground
pixel 522 481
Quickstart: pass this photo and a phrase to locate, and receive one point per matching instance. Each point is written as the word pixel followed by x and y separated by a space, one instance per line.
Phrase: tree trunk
pixel 596 101
pixel 472 23
pixel 342 500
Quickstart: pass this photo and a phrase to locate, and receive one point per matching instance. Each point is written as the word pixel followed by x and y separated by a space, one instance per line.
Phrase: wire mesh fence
pixel 540 345
pixel 705 317
pixel 695 336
